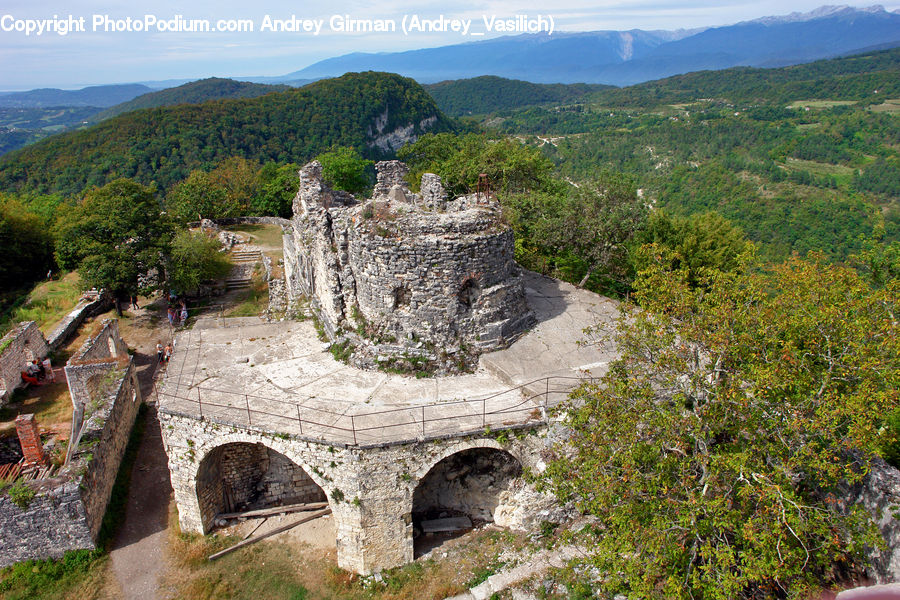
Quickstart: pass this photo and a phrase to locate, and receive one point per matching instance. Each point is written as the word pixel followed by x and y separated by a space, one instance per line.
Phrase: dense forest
pixel 487 94
pixel 797 172
pixel 195 92
pixel 162 146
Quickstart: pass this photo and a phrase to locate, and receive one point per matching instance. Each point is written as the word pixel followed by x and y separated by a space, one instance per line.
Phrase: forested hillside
pixel 195 92
pixel 802 158
pixel 163 145
pixel 481 95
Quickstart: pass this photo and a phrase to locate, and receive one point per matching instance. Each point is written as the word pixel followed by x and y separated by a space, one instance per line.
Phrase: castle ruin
pixel 256 414
pixel 405 275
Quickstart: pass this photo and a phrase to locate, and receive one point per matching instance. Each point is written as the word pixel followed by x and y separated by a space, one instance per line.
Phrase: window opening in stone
pixel 242 476
pixel 460 492
pixel 401 297
pixel 468 293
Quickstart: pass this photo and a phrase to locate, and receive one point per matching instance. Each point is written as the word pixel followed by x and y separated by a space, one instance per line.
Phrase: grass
pixel 843 174
pixel 251 302
pixel 260 234
pixel 821 103
pixel 78 575
pixel 50 404
pixel 47 303
pixel 889 106
pixel 281 568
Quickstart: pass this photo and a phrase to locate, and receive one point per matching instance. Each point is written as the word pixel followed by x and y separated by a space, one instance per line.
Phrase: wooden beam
pixel 276 531
pixel 275 510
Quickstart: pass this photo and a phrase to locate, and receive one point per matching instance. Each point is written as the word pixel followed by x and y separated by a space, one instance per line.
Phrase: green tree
pixel 695 244
pixel 239 179
pixel 711 451
pixel 278 185
pixel 195 258
pixel 114 236
pixel 595 224
pixel 197 197
pixel 27 245
pixel 511 167
pixel 344 169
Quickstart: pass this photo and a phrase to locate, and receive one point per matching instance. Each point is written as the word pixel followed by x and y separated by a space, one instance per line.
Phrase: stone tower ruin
pixel 405 279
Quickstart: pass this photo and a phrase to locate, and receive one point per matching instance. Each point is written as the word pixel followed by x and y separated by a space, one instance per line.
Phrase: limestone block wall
pixel 102 441
pixel 71 322
pixel 24 343
pixel 67 510
pixel 54 522
pixel 369 489
pixel 409 275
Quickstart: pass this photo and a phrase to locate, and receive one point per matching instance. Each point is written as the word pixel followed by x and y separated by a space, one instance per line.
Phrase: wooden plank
pixel 275 510
pixel 276 531
pixel 451 524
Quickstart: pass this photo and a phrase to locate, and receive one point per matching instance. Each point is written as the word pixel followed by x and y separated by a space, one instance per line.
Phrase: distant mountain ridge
pixel 374 112
pixel 630 57
pixel 100 96
pixel 203 90
pixel 488 93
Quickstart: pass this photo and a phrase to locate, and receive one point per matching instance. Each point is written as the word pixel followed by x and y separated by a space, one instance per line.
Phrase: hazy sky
pixel 96 57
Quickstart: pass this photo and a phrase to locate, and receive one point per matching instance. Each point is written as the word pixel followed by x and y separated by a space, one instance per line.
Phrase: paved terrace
pixel 280 377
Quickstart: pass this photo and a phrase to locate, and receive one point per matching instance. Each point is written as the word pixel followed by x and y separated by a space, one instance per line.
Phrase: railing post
pixel 199 402
pixel 483 413
pixel 299 419
pixel 353 428
pixel 423 422
pixel 249 418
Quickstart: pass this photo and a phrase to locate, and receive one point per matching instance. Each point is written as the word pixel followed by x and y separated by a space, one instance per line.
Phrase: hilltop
pixel 373 112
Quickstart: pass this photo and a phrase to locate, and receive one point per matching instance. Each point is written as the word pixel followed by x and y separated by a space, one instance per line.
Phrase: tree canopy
pixel 114 236
pixel 712 450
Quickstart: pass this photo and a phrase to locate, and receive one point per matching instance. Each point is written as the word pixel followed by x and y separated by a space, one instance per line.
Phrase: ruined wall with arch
pixel 369 489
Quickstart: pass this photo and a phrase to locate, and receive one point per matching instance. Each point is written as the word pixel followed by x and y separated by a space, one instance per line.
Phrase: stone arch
pixel 465 482
pixel 239 474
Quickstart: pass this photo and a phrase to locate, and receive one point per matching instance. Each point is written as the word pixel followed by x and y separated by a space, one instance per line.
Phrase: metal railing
pixel 524 404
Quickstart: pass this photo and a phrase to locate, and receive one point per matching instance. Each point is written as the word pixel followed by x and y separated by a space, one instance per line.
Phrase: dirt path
pixel 138 553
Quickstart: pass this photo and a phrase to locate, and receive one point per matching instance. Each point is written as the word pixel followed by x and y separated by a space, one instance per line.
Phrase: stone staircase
pixel 240 278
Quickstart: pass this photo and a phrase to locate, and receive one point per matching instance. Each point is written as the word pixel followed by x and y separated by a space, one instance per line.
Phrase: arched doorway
pixel 465 485
pixel 243 476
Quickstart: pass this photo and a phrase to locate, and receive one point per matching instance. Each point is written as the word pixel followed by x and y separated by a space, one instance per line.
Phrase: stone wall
pixel 70 323
pixel 67 510
pixel 228 221
pixel 53 523
pixel 370 490
pixel 244 476
pixel 24 343
pixel 397 275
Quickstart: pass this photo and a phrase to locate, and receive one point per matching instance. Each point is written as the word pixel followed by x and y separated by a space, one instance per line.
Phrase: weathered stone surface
pixel 24 343
pixel 402 282
pixel 879 493
pixel 370 490
pixel 67 510
pixel 433 194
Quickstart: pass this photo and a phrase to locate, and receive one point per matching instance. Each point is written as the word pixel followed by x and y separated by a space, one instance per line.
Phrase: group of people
pixel 176 316
pixel 163 353
pixel 34 372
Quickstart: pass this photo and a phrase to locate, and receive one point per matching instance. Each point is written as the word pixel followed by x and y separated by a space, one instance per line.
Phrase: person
pixel 171 315
pixel 184 314
pixel 168 352
pixel 39 370
pixel 159 351
pixel 134 303
pixel 28 378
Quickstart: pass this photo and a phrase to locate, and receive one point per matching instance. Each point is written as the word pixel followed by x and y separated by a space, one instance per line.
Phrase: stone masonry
pixel 68 508
pixel 370 490
pixel 404 274
pixel 24 343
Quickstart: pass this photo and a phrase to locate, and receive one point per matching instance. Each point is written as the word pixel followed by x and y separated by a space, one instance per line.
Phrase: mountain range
pixel 628 57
